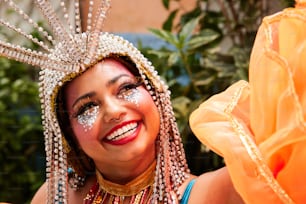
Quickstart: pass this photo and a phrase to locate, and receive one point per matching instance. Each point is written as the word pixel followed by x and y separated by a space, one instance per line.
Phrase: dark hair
pixel 128 63
pixel 77 159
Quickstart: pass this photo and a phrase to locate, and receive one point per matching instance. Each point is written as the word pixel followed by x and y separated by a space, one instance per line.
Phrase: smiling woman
pixel 114 119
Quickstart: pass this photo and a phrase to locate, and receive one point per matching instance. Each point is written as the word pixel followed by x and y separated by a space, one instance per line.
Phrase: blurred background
pixel 199 47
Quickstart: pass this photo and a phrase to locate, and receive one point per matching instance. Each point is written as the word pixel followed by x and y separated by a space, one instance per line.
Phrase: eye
pixel 128 86
pixel 85 108
pixel 87 115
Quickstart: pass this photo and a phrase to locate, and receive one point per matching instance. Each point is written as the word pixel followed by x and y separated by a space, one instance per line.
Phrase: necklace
pixel 139 190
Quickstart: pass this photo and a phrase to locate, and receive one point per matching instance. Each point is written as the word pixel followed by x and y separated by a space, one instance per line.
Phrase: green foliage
pixel 207 51
pixel 21 143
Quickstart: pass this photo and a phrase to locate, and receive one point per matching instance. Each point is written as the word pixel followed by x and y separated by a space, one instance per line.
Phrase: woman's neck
pixel 124 172
pixel 141 182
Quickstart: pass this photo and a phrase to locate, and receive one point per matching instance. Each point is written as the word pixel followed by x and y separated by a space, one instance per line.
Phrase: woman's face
pixel 112 115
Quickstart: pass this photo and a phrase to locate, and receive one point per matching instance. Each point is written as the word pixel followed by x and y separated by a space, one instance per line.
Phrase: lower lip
pixel 127 139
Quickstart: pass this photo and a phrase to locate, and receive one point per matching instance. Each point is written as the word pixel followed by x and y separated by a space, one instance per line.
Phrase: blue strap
pixel 187 191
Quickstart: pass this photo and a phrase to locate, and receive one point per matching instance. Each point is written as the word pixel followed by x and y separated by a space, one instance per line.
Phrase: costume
pixel 259 127
pixel 187 192
pixel 67 53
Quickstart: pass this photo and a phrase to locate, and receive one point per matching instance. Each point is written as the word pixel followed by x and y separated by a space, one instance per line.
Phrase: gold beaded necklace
pixel 137 191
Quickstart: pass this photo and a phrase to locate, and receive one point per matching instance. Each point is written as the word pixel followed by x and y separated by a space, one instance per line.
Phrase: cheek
pixel 82 134
pixel 149 109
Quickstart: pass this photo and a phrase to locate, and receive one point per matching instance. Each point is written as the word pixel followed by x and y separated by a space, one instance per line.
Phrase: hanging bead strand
pixel 96 26
pixel 89 16
pixel 66 16
pixel 78 26
pixel 30 37
pixel 12 5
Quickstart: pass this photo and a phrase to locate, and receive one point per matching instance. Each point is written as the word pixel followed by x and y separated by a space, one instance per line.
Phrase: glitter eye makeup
pixel 129 91
pixel 131 96
pixel 88 117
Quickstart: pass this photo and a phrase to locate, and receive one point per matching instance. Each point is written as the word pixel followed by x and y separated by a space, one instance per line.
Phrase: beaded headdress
pixel 66 53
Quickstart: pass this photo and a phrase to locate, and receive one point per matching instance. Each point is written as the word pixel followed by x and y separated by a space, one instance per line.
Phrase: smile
pixel 122 132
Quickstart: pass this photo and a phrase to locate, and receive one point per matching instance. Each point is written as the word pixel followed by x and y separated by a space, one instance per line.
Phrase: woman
pixel 108 118
pixel 259 127
pixel 116 122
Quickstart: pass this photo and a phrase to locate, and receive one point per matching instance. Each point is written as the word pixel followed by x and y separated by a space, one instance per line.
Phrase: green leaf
pixel 173 58
pixel 160 54
pixel 2 106
pixel 4 81
pixel 188 29
pixel 4 63
pixel 205 37
pixel 165 35
pixel 14 97
pixel 18 84
pixel 4 93
pixel 167 25
pixel 166 4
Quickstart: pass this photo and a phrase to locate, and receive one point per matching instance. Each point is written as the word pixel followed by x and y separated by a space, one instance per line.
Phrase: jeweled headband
pixel 67 53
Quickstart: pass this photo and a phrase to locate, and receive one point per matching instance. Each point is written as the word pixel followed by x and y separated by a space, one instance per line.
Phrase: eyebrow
pixel 115 79
pixel 91 94
pixel 88 95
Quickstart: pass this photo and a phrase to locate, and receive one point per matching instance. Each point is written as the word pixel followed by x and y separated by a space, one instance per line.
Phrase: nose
pixel 113 111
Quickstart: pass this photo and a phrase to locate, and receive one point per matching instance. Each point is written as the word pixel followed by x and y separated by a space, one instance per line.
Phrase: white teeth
pixel 122 132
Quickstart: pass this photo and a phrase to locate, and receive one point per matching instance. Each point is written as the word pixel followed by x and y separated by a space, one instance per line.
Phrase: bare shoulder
pixel 41 195
pixel 215 188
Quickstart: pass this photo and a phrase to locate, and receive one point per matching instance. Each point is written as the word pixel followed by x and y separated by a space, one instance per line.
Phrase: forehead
pixel 99 74
pixel 109 67
pixel 102 71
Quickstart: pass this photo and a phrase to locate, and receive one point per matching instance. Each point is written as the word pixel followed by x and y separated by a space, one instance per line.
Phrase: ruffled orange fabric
pixel 259 126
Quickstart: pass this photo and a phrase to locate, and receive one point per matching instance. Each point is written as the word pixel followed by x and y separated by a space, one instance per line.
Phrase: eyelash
pixel 84 107
pixel 127 86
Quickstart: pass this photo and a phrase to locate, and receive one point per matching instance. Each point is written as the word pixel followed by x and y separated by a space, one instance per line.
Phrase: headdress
pixel 68 52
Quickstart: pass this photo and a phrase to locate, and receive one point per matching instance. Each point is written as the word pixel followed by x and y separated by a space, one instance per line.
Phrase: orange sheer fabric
pixel 259 127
